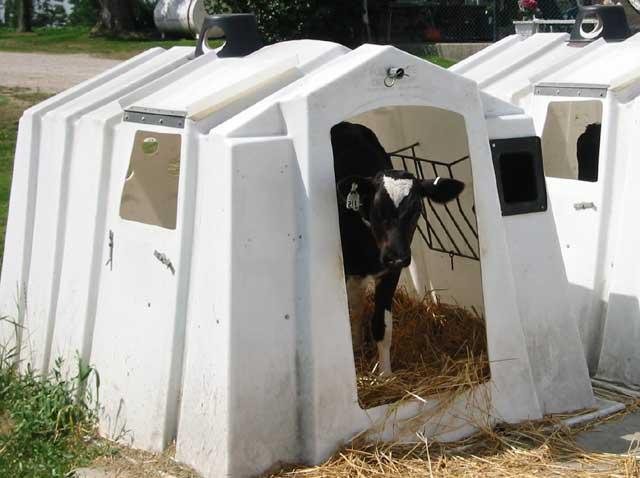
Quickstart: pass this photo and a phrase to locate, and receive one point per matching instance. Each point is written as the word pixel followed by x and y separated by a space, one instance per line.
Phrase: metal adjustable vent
pixel 150 116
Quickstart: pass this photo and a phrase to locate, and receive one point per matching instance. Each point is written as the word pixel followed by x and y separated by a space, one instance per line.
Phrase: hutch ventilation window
pixel 571 140
pixel 150 193
pixel 517 163
pixel 438 337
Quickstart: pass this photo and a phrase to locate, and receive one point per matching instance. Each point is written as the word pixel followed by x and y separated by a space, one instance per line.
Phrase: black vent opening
pixel 517 164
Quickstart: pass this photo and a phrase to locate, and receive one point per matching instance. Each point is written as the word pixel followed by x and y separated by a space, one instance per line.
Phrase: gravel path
pixel 49 73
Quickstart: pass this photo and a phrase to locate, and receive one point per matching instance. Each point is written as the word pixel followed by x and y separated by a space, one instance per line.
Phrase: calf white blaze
pixel 397 189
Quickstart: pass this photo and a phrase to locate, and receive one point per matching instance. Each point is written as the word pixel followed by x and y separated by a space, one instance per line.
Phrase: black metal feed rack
pixel 462 239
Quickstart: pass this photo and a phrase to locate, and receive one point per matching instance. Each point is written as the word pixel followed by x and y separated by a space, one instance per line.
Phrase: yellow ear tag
pixel 353 198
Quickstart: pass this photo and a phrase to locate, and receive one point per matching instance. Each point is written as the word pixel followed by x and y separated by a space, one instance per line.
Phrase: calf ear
pixel 441 189
pixel 355 188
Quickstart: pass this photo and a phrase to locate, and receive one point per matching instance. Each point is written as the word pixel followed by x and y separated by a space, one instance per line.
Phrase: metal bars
pixel 457 236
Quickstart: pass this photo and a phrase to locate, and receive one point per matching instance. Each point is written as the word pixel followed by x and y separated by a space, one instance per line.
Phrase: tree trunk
pixel 115 18
pixel 24 13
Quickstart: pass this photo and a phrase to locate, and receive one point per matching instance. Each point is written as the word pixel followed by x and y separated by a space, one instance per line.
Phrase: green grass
pixel 78 40
pixel 440 61
pixel 47 424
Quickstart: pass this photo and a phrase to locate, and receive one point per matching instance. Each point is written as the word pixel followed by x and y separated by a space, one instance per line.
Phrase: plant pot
pixel 432 35
pixel 525 28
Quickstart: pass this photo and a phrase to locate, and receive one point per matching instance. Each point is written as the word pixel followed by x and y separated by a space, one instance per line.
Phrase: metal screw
pixel 396 72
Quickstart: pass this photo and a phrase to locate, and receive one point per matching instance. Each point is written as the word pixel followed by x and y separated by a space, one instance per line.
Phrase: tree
pixel 278 20
pixel 24 14
pixel 49 13
pixel 115 17
pixel 84 12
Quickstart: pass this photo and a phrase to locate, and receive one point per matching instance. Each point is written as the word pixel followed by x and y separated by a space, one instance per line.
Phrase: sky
pixel 65 3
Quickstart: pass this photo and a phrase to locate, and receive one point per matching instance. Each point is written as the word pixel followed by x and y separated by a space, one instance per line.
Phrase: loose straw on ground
pixel 438 349
pixel 537 449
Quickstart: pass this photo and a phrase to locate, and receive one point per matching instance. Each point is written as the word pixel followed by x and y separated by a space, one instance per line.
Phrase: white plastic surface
pixel 597 243
pixel 230 332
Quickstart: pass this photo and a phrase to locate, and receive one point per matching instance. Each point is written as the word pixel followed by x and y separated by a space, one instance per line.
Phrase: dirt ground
pixel 49 73
pixel 605 451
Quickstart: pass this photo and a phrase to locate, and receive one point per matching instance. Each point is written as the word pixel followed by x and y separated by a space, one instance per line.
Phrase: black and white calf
pixel 378 210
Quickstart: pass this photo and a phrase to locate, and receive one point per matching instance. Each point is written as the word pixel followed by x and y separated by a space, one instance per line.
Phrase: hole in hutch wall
pixel 571 140
pixel 439 333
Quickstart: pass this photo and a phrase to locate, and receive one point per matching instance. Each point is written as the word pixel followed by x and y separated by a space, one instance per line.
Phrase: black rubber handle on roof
pixel 240 31
pixel 614 22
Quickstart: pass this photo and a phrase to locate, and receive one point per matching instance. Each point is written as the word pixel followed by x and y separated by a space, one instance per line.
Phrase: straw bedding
pixel 441 350
pixel 438 349
pixel 543 448
pixel 538 449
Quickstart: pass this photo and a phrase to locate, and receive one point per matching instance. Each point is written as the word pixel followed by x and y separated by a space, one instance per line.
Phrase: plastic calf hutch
pixel 174 223
pixel 583 97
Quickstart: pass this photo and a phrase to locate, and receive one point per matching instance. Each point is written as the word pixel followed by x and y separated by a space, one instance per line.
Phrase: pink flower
pixel 528 5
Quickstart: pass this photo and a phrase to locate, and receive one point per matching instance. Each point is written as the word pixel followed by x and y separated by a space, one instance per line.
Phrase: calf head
pixel 390 204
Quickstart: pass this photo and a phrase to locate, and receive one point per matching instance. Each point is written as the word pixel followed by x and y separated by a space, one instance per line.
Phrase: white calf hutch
pixel 583 98
pixel 174 223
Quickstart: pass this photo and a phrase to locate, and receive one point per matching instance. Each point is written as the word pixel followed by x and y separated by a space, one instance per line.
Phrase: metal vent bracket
pixel 151 116
pixel 571 90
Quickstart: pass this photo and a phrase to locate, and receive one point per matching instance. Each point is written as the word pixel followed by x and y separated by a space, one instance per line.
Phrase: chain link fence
pixel 417 21
pixel 413 21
